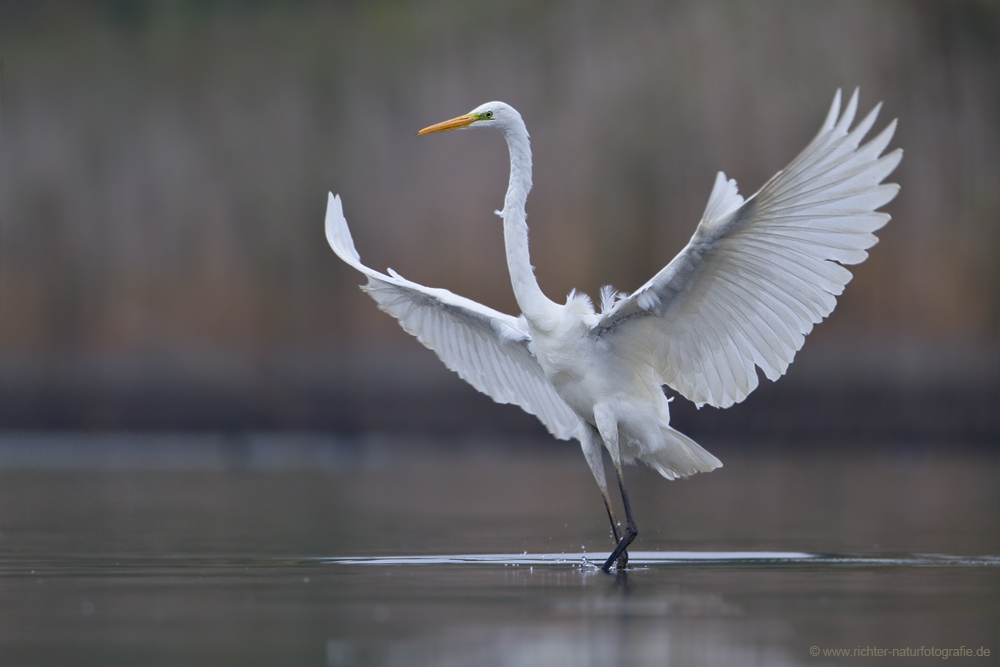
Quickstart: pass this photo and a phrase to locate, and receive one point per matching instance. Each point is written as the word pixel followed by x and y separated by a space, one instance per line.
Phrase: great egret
pixel 754 279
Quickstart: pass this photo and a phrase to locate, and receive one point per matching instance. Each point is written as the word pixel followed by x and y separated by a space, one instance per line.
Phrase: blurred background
pixel 164 168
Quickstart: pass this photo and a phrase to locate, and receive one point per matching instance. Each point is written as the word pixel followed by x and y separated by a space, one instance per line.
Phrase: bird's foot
pixel 619 557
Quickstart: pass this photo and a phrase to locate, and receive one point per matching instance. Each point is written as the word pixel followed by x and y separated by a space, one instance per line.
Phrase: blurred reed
pixel 164 165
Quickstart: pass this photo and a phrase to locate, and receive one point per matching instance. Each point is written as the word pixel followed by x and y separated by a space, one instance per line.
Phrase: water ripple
pixel 659 558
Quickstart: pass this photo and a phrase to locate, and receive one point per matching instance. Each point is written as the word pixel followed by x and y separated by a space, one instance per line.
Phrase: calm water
pixel 201 550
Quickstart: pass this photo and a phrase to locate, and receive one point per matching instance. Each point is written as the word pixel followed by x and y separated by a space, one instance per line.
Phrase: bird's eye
pixel 489 114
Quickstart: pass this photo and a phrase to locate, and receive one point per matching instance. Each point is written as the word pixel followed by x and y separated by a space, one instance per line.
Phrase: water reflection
pixel 594 644
pixel 739 610
pixel 312 550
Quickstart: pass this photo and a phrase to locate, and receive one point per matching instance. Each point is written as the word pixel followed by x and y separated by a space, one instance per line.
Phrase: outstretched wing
pixel 757 275
pixel 488 349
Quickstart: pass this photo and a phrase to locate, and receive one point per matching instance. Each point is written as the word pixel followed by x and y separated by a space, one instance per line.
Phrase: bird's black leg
pixel 623 558
pixel 611 517
pixel 619 554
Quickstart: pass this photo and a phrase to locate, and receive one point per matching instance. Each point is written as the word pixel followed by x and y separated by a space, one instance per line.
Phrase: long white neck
pixel 534 304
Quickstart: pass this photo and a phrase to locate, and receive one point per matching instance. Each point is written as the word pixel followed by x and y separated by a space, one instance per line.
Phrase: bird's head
pixel 492 114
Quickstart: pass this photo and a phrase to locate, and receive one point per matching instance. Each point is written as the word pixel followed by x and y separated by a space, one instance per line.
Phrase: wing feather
pixel 487 349
pixel 758 274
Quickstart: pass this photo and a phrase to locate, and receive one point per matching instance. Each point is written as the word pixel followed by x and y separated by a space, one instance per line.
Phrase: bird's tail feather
pixel 679 456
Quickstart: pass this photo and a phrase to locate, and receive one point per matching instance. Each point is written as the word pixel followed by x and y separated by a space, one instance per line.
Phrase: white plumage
pixel 754 279
pixel 488 349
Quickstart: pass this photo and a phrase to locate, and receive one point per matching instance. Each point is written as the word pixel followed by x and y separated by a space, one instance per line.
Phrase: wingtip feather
pixel 849 112
pixel 338 235
pixel 833 114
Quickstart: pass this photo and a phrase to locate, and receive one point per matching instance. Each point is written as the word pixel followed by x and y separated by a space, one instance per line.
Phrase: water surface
pixel 203 550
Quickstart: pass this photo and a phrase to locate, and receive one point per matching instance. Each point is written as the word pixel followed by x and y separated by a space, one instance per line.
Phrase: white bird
pixel 754 279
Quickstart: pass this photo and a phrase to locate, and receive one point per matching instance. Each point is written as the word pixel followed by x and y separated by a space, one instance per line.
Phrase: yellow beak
pixel 453 124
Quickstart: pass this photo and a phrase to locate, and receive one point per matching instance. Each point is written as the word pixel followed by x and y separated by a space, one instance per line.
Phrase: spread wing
pixel 488 349
pixel 757 275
